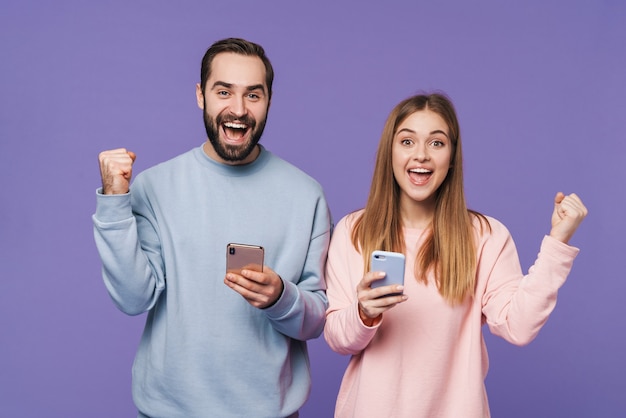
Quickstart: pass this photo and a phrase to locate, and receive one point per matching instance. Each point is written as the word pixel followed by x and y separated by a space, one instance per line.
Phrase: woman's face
pixel 421 153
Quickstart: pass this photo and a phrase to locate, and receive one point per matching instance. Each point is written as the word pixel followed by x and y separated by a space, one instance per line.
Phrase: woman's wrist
pixel 367 321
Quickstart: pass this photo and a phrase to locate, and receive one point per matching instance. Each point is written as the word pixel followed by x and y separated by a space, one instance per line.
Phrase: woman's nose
pixel 421 153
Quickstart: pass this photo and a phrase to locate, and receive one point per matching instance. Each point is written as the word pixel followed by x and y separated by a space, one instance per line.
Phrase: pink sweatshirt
pixel 427 358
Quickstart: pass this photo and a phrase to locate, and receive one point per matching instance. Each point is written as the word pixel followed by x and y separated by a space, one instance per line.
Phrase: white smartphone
pixel 244 256
pixel 393 266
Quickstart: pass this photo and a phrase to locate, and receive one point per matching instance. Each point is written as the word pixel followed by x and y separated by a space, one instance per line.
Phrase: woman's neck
pixel 417 215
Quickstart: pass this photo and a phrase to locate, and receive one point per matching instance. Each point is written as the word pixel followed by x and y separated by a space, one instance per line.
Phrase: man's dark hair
pixel 238 46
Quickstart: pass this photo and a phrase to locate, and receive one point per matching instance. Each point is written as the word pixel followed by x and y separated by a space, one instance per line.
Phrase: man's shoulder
pixel 168 166
pixel 291 172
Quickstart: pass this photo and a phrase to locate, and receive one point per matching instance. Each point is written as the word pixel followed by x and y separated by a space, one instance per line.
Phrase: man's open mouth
pixel 235 131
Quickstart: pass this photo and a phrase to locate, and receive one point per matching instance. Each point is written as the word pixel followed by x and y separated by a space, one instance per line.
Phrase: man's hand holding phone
pixel 247 275
pixel 260 288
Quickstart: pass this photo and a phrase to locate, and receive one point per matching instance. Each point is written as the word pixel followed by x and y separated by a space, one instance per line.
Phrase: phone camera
pixel 231 250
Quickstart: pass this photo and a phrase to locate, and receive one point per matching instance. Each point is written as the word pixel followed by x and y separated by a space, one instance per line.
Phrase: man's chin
pixel 236 154
pixel 233 151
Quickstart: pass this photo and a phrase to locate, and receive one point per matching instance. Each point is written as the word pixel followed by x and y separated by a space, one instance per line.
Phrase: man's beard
pixel 232 153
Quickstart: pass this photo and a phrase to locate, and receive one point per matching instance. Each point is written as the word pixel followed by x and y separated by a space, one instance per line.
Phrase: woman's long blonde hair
pixel 449 250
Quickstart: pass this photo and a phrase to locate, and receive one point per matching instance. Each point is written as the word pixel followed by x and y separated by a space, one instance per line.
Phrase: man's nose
pixel 238 106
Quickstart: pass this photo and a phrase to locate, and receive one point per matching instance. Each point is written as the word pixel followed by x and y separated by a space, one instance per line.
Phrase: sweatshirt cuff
pixel 112 208
pixel 553 263
pixel 552 245
pixel 285 302
pixel 357 319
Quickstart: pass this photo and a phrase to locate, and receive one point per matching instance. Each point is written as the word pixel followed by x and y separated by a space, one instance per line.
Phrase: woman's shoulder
pixel 347 222
pixel 487 225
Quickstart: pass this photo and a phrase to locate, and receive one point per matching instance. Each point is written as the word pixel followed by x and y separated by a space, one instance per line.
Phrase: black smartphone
pixel 244 256
pixel 392 264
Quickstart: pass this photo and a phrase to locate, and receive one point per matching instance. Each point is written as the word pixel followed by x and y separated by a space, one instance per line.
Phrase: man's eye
pixel 222 93
pixel 253 96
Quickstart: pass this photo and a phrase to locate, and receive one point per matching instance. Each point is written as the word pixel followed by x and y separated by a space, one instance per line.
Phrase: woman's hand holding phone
pixel 381 289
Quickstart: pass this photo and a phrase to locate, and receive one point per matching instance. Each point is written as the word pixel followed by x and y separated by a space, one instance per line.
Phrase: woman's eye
pixel 406 141
pixel 437 143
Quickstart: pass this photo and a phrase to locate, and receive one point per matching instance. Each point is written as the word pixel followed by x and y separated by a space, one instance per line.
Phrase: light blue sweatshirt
pixel 206 352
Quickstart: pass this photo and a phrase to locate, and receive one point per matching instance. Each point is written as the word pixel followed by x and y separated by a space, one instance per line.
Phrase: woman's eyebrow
pixel 437 131
pixel 406 130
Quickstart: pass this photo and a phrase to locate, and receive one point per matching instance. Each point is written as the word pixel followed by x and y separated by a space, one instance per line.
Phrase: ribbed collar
pixel 232 170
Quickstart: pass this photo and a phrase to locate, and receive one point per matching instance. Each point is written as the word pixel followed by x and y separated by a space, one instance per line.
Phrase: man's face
pixel 235 103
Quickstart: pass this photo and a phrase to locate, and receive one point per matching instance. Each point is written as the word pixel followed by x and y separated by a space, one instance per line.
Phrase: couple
pixel 219 344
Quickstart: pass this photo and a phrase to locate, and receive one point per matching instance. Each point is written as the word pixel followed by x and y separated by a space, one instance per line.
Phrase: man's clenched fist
pixel 116 169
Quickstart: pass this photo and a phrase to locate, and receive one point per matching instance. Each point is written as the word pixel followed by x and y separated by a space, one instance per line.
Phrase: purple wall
pixel 540 89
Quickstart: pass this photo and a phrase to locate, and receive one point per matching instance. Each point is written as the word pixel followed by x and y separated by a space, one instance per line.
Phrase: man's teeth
pixel 235 125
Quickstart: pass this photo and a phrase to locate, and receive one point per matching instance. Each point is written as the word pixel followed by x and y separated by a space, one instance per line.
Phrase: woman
pixel 421 353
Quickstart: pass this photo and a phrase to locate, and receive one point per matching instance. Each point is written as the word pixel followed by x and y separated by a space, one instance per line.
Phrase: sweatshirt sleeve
pixel 300 310
pixel 344 331
pixel 516 306
pixel 132 270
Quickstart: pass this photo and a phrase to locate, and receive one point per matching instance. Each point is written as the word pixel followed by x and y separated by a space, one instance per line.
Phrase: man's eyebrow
pixel 256 87
pixel 222 84
pixel 230 86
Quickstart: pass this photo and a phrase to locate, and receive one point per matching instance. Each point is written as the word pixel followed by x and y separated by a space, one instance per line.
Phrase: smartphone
pixel 392 264
pixel 244 256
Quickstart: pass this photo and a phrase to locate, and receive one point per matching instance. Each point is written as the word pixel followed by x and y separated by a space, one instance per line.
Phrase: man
pixel 217 344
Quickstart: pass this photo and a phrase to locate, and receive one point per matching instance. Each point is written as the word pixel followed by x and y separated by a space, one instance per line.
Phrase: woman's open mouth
pixel 420 176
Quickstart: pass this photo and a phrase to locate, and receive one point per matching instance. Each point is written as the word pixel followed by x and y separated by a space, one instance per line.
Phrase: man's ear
pixel 200 96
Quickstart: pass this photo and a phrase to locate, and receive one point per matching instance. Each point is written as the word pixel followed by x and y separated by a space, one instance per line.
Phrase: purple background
pixel 540 89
